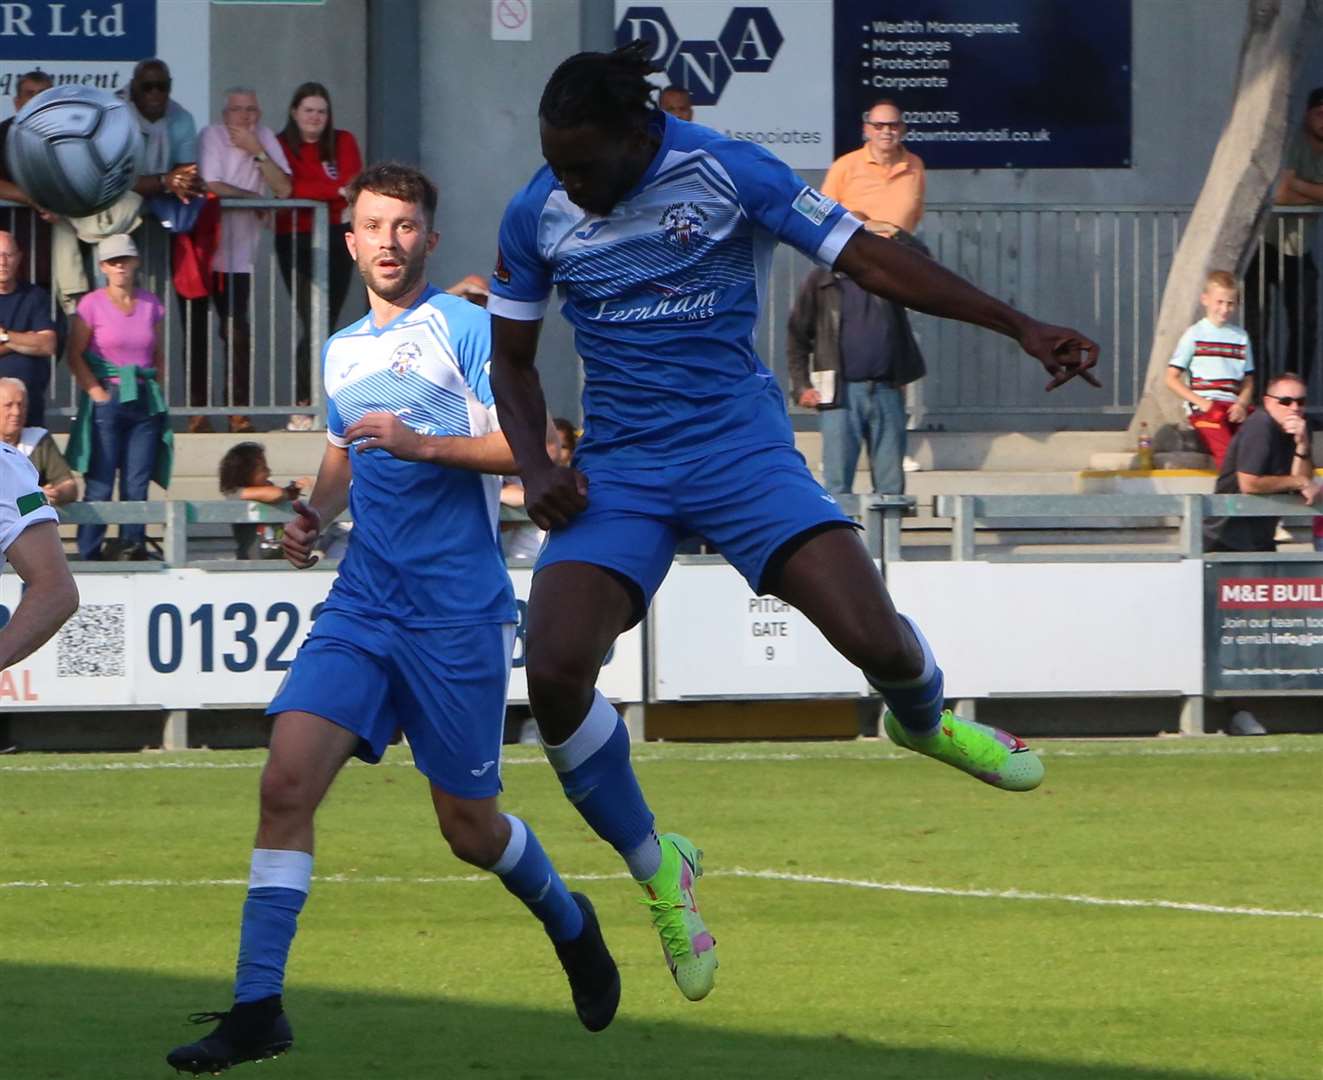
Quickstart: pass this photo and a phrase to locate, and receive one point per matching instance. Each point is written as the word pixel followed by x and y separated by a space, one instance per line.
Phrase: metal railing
pixel 1101 269
pixel 273 332
pixel 880 516
pixel 1108 511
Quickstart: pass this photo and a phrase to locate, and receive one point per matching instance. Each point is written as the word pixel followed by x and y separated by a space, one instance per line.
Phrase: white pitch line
pixel 644 757
pixel 733 872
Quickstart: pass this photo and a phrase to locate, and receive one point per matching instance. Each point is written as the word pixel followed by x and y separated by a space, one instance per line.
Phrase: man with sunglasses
pixel 881 182
pixel 169 132
pixel 1270 454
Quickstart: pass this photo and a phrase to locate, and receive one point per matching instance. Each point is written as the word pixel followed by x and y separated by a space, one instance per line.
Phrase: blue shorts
pixel 444 688
pixel 747 503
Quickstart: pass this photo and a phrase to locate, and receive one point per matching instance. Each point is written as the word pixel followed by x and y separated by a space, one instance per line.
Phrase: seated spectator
pixel 29 335
pixel 324 159
pixel 169 133
pixel 472 288
pixel 115 356
pixel 53 472
pixel 1270 454
pixel 521 540
pixel 1216 355
pixel 31 223
pixel 569 439
pixel 245 474
pixel 240 158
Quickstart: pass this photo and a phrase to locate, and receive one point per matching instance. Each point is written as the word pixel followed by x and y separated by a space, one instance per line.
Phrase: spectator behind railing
pixel 31 223
pixel 240 158
pixel 245 474
pixel 522 540
pixel 29 336
pixel 569 439
pixel 169 133
pixel 53 472
pixel 1216 354
pixel 1290 269
pixel 324 160
pixel 115 356
pixel 881 182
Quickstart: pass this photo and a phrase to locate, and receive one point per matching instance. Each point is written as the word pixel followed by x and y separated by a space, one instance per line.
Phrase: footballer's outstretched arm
pixel 552 493
pixel 49 597
pixel 894 271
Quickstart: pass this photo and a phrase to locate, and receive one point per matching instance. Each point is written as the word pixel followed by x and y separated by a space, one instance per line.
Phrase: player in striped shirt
pixel 1215 354
pixel 418 630
pixel 658 235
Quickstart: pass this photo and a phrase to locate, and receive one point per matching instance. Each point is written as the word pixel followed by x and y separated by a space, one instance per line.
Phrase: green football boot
pixel 690 951
pixel 989 754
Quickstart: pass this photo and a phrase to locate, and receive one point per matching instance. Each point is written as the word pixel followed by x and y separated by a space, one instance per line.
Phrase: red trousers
pixel 1215 429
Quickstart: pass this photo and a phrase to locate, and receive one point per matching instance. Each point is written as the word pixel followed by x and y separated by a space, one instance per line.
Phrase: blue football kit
pixel 685 429
pixel 417 632
pixel 416 635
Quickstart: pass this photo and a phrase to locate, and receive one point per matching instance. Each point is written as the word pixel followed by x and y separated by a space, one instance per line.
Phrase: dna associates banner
pixel 984 84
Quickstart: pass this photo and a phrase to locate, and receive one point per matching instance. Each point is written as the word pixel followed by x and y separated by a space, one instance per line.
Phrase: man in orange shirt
pixel 881 182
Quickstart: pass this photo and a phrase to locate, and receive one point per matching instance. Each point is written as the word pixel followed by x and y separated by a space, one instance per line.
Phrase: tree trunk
pixel 1236 193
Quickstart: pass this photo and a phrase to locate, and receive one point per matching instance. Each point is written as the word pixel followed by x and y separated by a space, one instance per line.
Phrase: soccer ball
pixel 74 149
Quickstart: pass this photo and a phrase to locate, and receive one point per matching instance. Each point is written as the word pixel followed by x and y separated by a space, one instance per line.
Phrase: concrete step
pixel 1023 452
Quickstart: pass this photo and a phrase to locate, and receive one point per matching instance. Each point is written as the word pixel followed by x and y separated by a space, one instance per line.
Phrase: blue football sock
pixel 917 704
pixel 277 887
pixel 594 769
pixel 527 873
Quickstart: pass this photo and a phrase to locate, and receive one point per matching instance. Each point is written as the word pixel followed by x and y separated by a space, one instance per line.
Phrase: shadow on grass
pixel 64 1023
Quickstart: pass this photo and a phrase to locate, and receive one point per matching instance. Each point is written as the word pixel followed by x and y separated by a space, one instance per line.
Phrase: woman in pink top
pixel 114 354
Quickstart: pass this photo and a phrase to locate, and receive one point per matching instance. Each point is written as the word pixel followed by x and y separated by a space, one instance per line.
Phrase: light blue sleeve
pixel 1249 356
pixel 473 349
pixel 183 136
pixel 521 282
pixel 1184 353
pixel 335 424
pixel 773 196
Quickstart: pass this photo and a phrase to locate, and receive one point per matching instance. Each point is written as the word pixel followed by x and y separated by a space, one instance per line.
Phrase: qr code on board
pixel 92 642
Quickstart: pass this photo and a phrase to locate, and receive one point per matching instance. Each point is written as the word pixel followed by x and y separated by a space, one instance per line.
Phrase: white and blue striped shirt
pixel 424 548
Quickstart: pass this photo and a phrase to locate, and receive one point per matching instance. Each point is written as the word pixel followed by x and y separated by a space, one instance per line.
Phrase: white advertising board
pixel 185 639
pixel 761 73
pixel 713 637
pixel 1067 628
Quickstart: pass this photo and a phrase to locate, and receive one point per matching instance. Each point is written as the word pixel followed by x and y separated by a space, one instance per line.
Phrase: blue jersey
pixel 424 546
pixel 664 292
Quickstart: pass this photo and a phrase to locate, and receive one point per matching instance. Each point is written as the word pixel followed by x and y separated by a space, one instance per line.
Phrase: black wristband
pixel 1306 457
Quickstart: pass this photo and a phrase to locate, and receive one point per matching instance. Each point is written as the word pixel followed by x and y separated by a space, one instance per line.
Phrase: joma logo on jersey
pixel 748 42
pixel 405 359
pixel 686 306
pixel 682 222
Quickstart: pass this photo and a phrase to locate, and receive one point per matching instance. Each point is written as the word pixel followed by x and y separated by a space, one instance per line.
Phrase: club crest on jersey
pixel 405 359
pixel 682 223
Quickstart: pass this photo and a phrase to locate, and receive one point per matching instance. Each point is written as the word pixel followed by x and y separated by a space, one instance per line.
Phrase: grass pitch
pixel 877 916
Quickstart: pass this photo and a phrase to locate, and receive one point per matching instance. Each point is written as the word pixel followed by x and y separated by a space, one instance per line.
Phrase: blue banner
pixel 85 30
pixel 990 84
